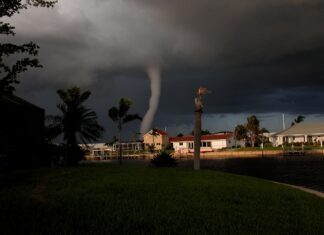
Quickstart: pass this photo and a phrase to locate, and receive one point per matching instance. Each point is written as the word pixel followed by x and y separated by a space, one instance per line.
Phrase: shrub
pixel 164 159
pixel 151 148
pixel 74 155
pixel 169 148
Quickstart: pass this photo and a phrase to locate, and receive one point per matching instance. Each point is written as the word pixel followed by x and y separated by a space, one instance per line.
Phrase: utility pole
pixel 197 130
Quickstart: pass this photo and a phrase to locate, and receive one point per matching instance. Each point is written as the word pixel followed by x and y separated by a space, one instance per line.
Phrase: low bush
pixel 74 155
pixel 164 159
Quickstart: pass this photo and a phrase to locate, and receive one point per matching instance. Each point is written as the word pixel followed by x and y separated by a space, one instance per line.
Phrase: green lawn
pixel 97 199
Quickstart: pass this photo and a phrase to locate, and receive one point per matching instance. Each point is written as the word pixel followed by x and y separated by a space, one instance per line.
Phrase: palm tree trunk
pixel 153 144
pixel 120 147
pixel 197 134
pixel 71 142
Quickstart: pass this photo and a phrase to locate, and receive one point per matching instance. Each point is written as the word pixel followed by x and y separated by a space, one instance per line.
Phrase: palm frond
pixel 62 94
pixel 124 106
pixel 77 122
pixel 113 114
pixel 91 132
pixel 84 96
pixel 131 117
pixel 154 132
pixel 264 130
pixel 53 127
pixel 62 108
pixel 88 114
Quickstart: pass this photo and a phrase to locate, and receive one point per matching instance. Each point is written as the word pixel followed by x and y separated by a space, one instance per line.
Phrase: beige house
pixel 311 132
pixel 156 138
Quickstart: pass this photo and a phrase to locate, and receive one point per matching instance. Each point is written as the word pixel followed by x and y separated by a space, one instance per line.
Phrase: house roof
pixel 304 128
pixel 15 100
pixel 203 137
pixel 160 132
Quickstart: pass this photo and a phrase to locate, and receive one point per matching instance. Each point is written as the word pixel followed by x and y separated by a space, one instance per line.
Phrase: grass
pixel 109 199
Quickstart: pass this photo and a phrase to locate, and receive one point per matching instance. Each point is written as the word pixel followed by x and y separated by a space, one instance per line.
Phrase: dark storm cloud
pixel 249 30
pixel 255 56
pixel 270 56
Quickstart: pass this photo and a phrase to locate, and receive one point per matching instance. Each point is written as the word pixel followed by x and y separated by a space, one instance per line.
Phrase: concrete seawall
pixel 247 154
pixel 218 155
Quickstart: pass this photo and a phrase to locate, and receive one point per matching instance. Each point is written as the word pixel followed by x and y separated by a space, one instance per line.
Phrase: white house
pixel 96 150
pixel 209 143
pixel 311 132
pixel 129 146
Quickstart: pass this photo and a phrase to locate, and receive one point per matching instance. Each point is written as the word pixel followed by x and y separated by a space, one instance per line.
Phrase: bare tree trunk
pixel 197 130
pixel 197 133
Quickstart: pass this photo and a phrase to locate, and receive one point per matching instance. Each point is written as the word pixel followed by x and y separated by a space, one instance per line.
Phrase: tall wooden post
pixel 197 133
pixel 120 157
pixel 197 129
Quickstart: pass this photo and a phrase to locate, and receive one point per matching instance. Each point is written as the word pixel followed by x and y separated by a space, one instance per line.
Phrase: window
pixel 205 144
pixel 191 145
pixel 180 143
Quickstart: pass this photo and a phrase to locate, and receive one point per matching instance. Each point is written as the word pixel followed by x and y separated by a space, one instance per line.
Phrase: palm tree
pixel 120 116
pixel 240 132
pixel 154 133
pixel 77 123
pixel 298 119
pixel 262 131
pixel 252 127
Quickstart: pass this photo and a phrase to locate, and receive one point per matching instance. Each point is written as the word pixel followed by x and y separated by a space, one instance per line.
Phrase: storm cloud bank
pixel 117 34
pixel 258 56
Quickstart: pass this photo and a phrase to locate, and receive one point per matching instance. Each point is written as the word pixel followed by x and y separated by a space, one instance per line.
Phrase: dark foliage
pixel 298 119
pixel 169 147
pixel 251 132
pixel 28 51
pixel 164 159
pixel 77 123
pixel 240 132
pixel 75 154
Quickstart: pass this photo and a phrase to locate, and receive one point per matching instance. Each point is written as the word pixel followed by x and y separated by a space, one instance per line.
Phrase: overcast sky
pixel 257 57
